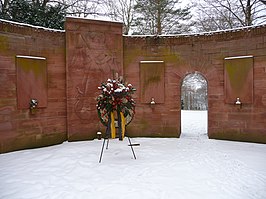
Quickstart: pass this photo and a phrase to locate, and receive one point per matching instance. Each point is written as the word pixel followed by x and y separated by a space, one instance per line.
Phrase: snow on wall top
pixel 29 26
pixel 217 32
pixel 98 18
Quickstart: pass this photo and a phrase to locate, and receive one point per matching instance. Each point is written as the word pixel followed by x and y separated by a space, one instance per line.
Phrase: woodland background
pixel 141 17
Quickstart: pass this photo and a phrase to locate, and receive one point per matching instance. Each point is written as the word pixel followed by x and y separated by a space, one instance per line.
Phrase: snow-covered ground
pixel 166 168
pixel 194 124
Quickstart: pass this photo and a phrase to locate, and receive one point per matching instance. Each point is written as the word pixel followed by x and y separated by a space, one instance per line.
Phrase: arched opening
pixel 194 106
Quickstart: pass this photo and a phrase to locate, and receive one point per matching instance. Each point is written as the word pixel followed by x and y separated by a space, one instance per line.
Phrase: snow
pixel 30 57
pixel 19 24
pixel 143 62
pixel 98 17
pixel 194 124
pixel 239 57
pixel 196 34
pixel 191 167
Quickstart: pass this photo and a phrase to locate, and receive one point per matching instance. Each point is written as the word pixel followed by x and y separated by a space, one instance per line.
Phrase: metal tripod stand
pixel 108 135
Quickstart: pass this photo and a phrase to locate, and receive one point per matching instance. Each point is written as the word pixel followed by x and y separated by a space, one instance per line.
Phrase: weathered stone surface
pixel 94 54
pixel 204 54
pixel 19 129
pixel 90 51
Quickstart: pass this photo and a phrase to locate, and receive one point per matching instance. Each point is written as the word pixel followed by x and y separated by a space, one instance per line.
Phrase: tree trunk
pixel 4 6
pixel 159 23
pixel 248 14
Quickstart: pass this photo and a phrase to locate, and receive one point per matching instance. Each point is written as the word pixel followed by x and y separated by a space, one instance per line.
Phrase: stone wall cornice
pixel 92 21
pixel 21 28
pixel 222 35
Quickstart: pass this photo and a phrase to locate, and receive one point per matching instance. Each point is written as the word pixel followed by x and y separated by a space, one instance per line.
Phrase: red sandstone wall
pixel 161 120
pixel 18 128
pixel 203 53
pixel 92 51
pixel 94 54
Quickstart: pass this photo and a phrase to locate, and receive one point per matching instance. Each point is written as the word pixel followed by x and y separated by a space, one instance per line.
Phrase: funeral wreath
pixel 116 96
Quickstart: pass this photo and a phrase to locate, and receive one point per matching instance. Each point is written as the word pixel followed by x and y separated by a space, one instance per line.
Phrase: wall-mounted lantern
pixel 238 103
pixel 152 103
pixel 33 105
pixel 99 135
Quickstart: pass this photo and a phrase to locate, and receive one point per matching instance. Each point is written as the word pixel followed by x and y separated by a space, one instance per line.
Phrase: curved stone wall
pixel 19 129
pixel 208 54
pixel 89 51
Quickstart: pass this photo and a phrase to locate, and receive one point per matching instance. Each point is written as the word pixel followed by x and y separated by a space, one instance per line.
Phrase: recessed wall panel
pixel 31 81
pixel 152 81
pixel 238 74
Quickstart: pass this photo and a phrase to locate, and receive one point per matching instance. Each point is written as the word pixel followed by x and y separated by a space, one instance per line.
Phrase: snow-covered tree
pixel 224 14
pixel 160 17
pixel 35 12
pixel 194 92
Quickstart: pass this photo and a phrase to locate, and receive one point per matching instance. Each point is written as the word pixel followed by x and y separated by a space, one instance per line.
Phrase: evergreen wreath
pixel 115 96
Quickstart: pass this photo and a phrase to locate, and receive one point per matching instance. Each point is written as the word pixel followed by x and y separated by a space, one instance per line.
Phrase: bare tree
pixel 225 14
pixel 121 10
pixel 194 94
pixel 83 8
pixel 263 1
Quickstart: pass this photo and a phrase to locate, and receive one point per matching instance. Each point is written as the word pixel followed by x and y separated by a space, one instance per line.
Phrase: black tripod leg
pixel 131 147
pixel 107 145
pixel 102 150
pixel 108 131
pixel 119 126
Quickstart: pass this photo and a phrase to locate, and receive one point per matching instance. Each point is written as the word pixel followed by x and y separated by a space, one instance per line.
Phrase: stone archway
pixel 194 105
